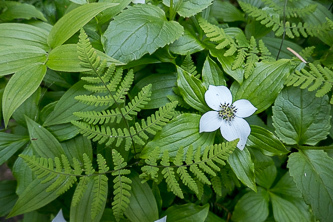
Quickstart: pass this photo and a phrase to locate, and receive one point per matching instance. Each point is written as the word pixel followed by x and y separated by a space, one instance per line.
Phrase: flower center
pixel 227 111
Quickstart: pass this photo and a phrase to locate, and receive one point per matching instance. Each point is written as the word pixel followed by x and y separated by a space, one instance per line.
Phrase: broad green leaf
pixel 313 175
pixel 188 8
pixel 299 117
pixel 20 87
pixel 186 44
pixel 182 131
pixel 263 85
pixel 192 90
pixel 273 45
pixel 43 142
pixel 265 169
pixel 65 58
pixel 34 197
pixel 64 131
pixel 226 12
pixel 80 2
pixel 142 206
pixel 36 217
pixel 16 10
pixel 70 23
pixel 14 34
pixel 266 141
pixel 82 211
pixel 187 213
pixel 10 144
pixel 28 108
pixel 67 105
pixel 287 201
pixel 212 74
pixel 8 196
pixel 14 58
pixel 252 207
pixel 241 163
pixel 227 62
pixel 211 217
pixel 139 30
pixel 108 14
pixel 22 172
pixel 159 91
pixel 75 147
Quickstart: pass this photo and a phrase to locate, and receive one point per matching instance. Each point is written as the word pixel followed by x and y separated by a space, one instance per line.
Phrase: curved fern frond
pixel 122 185
pixel 51 169
pixel 317 78
pixel 105 134
pixel 150 171
pixel 109 116
pixel 274 22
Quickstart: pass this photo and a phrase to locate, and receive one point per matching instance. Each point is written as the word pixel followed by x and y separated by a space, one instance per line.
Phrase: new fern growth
pixel 112 86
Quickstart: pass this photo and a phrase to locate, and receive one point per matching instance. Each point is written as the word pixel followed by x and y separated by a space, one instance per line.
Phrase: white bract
pixel 227 116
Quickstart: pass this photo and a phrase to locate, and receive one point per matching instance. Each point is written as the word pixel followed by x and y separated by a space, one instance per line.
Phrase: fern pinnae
pixel 150 171
pixel 121 185
pixel 169 175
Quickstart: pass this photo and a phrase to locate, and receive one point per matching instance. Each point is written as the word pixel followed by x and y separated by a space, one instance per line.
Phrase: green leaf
pixel 192 90
pixel 75 147
pixel 14 34
pixel 16 10
pixel 188 8
pixel 186 44
pixel 159 91
pixel 43 142
pixel 70 23
pixel 34 197
pixel 20 87
pixel 299 117
pixel 252 207
pixel 67 105
pixel 14 58
pixel 182 131
pixel 273 45
pixel 243 167
pixel 187 213
pixel 266 141
pixel 82 211
pixel 65 58
pixel 287 201
pixel 226 12
pixel 109 13
pixel 142 205
pixel 313 176
pixel 139 30
pixel 64 131
pixel 227 63
pixel 263 85
pixel 212 74
pixel 8 196
pixel 10 144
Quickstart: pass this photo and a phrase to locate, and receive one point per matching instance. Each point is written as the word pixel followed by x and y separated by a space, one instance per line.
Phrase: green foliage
pixel 316 77
pixel 198 166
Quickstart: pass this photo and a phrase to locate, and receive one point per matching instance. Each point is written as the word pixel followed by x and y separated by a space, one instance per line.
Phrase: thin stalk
pixel 284 27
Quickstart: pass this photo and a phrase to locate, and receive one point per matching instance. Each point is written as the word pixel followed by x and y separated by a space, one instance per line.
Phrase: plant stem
pixel 284 27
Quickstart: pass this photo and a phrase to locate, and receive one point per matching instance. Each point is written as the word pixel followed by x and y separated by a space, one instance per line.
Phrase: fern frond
pixel 218 35
pixel 100 190
pixel 189 66
pixel 307 52
pixel 51 169
pixel 240 58
pixel 292 29
pixel 109 116
pixel 105 134
pixel 170 177
pixel 150 171
pixel 122 185
pixel 80 188
pixel 317 78
pixel 217 185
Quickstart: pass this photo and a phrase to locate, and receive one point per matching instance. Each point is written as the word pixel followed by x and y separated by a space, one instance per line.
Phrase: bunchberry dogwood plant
pixel 227 116
pixel 140 110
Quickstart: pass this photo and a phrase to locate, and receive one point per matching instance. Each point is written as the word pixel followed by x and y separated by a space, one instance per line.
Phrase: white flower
pixel 227 116
pixel 138 1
